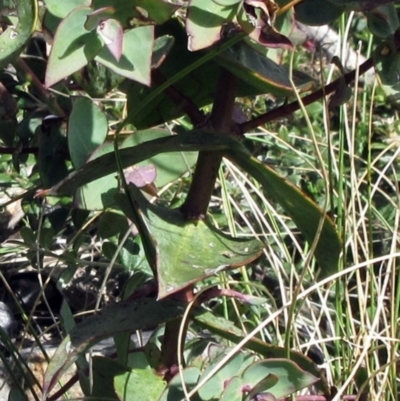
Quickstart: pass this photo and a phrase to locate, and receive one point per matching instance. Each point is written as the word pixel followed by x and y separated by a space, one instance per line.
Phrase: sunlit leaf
pixel 186 251
pixel 99 194
pixel 15 37
pixel 62 8
pixel 139 384
pixel 112 34
pixel 174 391
pixel 93 19
pixel 135 61
pixel 204 22
pixel 291 377
pixel 227 330
pixel 73 46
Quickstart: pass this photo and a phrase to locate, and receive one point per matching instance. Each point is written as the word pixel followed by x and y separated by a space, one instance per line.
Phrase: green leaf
pixel 138 12
pixel 162 46
pixel 95 18
pixel 262 386
pixel 139 384
pixel 387 65
pixel 169 166
pixel 14 38
pixel 360 5
pixel 99 194
pixel 233 390
pixel 317 12
pixel 62 8
pixel 186 251
pixel 383 21
pixel 112 34
pixel 87 129
pixel 305 214
pixel 204 22
pixel 261 72
pixel 97 80
pixel 214 387
pixel 227 330
pixel 291 377
pixel 126 316
pixel 174 391
pixel 73 47
pixel 200 85
pixel 104 371
pixel 158 11
pixel 135 65
pixel 112 224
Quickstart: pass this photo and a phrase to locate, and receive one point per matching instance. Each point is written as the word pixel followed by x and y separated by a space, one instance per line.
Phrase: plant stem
pixel 169 360
pixel 208 163
pixel 186 104
pixel 290 108
pixel 44 94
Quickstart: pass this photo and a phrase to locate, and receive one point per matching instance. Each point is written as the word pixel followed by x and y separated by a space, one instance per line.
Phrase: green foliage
pixel 179 68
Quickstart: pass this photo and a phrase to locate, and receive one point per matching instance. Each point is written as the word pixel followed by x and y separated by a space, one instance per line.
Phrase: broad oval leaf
pixel 174 391
pixel 73 47
pixel 204 22
pixel 14 38
pixel 138 12
pixel 383 21
pixel 61 9
pixel 135 60
pixel 317 12
pixel 291 377
pixel 186 251
pixel 139 384
pixel 112 34
pixel 87 130
pixel 214 387
pixel 99 194
pixel 387 64
pixel 227 330
pixel 233 390
pixel 126 316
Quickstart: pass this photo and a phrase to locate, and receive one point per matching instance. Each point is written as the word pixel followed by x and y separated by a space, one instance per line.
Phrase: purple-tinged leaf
pixel 93 19
pixel 113 36
pixel 73 47
pixel 135 61
pixel 257 19
pixel 141 175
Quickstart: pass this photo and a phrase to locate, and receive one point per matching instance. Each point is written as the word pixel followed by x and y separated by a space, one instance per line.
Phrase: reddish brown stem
pixel 187 105
pixel 44 94
pixel 23 151
pixel 290 108
pixel 208 163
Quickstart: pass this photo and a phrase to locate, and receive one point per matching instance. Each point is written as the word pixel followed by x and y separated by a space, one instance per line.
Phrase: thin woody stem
pixel 290 108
